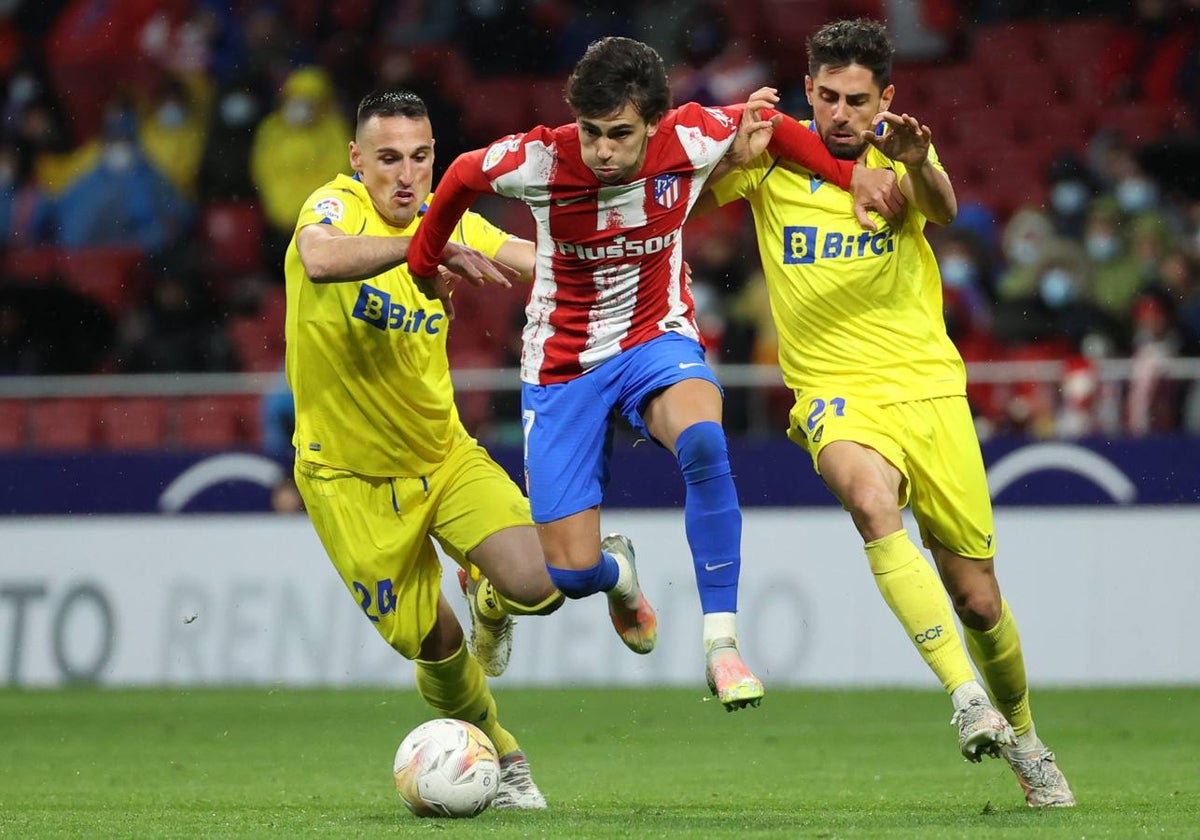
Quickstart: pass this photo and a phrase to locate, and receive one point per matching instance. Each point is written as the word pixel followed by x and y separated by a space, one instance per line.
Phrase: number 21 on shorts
pixel 817 408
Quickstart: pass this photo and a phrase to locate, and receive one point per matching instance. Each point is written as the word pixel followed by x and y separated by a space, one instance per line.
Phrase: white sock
pixel 967 692
pixel 624 588
pixel 1027 741
pixel 719 625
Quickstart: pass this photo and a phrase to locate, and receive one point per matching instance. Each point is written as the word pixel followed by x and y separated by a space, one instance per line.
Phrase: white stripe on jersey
pixel 705 152
pixel 611 315
pixel 530 183
pixel 621 206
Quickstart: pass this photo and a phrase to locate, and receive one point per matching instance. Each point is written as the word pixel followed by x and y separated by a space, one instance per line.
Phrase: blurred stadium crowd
pixel 155 153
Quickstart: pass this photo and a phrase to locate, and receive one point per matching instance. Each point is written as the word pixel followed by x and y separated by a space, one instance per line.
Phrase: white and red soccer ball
pixel 446 768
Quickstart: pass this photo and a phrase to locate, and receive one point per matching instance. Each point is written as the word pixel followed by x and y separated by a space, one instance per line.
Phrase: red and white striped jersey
pixel 609 270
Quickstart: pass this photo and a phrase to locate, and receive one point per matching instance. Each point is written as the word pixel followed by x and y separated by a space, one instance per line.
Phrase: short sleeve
pixel 476 232
pixel 333 206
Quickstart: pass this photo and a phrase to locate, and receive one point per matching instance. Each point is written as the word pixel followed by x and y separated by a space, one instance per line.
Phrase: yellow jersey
pixel 366 360
pixel 858 310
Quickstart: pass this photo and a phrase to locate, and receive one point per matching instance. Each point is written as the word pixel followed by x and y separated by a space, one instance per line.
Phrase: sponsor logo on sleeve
pixel 331 208
pixel 499 150
pixel 720 116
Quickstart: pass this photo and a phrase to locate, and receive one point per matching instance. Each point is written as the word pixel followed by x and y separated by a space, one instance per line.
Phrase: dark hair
pixel 615 71
pixel 390 103
pixel 845 42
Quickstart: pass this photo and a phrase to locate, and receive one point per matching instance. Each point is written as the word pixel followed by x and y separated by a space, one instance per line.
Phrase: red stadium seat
pixel 63 424
pixel 217 422
pixel 110 276
pixel 1000 47
pixel 493 108
pixel 547 103
pixel 12 424
pixel 232 234
pixel 258 342
pixel 133 423
pixel 33 265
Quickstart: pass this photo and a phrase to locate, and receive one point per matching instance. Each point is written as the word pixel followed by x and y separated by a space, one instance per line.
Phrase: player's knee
pixel 978 609
pixel 868 501
pixel 702 452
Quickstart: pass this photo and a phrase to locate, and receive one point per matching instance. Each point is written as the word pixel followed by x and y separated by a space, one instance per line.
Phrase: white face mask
pixel 957 271
pixel 1136 194
pixel 238 110
pixel 299 112
pixel 171 115
pixel 118 157
pixel 1068 197
pixel 1057 288
pixel 1102 246
pixel 1024 251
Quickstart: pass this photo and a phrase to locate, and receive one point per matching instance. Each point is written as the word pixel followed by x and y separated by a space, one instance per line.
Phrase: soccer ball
pixel 446 768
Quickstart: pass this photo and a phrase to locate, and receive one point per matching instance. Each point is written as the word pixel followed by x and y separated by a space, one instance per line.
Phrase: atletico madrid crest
pixel 666 190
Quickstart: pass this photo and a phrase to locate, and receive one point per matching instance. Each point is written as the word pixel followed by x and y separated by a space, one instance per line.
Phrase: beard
pixel 843 152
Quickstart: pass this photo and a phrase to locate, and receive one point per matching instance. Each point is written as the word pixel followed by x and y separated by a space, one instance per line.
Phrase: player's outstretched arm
pixel 907 141
pixel 463 181
pixel 330 255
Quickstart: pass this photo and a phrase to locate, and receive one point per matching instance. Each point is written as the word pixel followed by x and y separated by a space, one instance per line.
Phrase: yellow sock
pixel 551 602
pixel 997 654
pixel 494 606
pixel 457 688
pixel 913 590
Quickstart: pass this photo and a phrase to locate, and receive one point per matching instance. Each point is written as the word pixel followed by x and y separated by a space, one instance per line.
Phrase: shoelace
pixel 1038 768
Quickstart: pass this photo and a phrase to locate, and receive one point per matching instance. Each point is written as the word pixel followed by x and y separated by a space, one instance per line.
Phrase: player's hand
pixel 439 288
pixel 906 140
pixel 754 134
pixel 878 190
pixel 462 263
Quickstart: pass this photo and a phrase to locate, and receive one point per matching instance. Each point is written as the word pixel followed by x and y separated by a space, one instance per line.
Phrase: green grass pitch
pixel 619 763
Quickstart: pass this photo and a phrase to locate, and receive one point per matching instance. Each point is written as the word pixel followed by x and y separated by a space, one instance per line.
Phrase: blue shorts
pixel 569 426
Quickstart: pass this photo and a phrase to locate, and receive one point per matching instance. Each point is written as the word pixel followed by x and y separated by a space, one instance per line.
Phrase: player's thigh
pixel 568 441
pixel 823 416
pixel 375 531
pixel 483 518
pixel 665 386
pixel 950 498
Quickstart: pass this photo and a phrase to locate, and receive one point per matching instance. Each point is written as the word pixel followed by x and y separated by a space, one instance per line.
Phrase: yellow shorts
pixel 934 446
pixel 379 532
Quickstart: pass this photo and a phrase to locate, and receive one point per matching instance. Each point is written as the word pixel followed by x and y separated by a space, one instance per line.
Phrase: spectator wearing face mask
pixel 225 166
pixel 1072 188
pixel 1116 270
pixel 295 149
pixel 121 199
pixel 1024 237
pixel 965 274
pixel 174 126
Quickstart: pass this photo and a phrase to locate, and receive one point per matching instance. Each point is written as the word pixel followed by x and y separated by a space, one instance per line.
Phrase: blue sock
pixel 711 515
pixel 579 583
